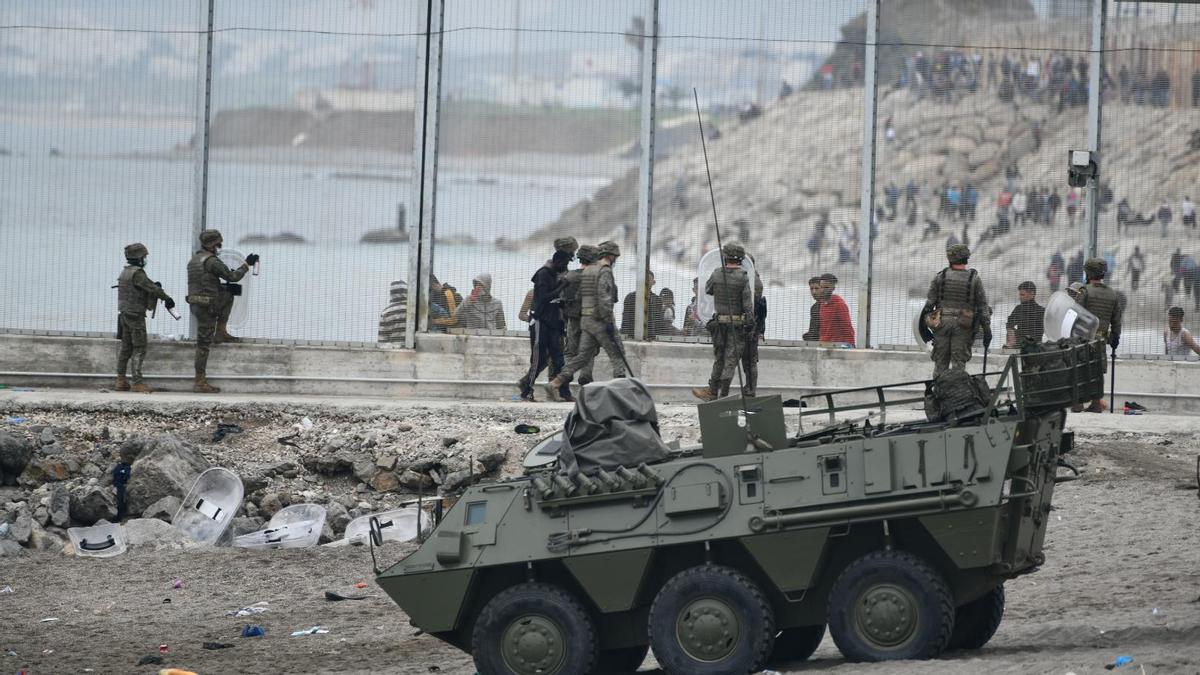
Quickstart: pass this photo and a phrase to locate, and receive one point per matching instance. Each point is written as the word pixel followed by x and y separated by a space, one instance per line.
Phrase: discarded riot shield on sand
pixel 209 506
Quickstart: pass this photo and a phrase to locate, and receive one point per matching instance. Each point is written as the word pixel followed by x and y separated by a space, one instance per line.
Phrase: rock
pixel 347 501
pixel 21 525
pixel 47 436
pixel 41 515
pixel 414 482
pixel 492 460
pixel 333 463
pixel 327 534
pixel 385 462
pixel 163 509
pixel 449 442
pixel 245 525
pixel 310 478
pixel 405 427
pixel 982 154
pixel 253 482
pixel 385 481
pixel 337 517
pixel 364 470
pixel 60 506
pixel 272 502
pixel 44 540
pixel 92 503
pixel 8 548
pixel 47 469
pixel 15 453
pixel 152 533
pixel 166 466
pixel 457 479
pixel 285 469
pixel 133 448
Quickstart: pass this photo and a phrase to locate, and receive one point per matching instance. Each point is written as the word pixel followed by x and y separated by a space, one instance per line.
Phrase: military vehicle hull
pixel 734 554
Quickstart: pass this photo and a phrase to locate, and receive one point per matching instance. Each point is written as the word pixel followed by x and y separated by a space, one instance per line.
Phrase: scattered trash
pixel 178 583
pixel 1120 663
pixel 50 619
pixel 150 659
pixel 337 597
pixel 163 649
pixel 175 671
pixel 290 439
pixel 1134 405
pixel 315 630
pixel 10 653
pixel 166 601
pixel 526 429
pixel 795 403
pixel 15 420
pixel 256 608
pixel 6 589
pixel 249 631
pixel 217 645
pixel 362 585
pixel 224 430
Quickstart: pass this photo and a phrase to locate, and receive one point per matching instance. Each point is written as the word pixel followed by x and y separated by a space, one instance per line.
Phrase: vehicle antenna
pixel 754 440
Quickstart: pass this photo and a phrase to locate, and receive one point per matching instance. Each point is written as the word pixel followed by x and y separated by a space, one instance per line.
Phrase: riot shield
pixel 709 263
pixel 921 333
pixel 240 313
pixel 1066 318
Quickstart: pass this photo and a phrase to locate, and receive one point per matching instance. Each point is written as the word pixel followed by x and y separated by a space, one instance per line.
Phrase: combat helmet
pixel 136 251
pixel 1075 289
pixel 609 248
pixel 588 254
pixel 1095 268
pixel 210 237
pixel 958 254
pixel 733 251
pixel 567 244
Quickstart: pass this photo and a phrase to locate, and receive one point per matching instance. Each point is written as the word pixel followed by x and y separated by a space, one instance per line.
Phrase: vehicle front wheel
pixel 890 605
pixel 533 629
pixel 976 622
pixel 711 620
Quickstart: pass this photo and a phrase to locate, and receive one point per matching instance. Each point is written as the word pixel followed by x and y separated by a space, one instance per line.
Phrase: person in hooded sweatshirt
pixel 480 310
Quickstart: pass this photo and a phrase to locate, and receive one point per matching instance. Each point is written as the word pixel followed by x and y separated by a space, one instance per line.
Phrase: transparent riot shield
pixel 240 313
pixel 1066 318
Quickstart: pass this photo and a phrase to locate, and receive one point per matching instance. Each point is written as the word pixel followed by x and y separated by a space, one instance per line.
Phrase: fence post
pixel 646 170
pixel 426 118
pixel 203 121
pixel 1095 71
pixel 867 215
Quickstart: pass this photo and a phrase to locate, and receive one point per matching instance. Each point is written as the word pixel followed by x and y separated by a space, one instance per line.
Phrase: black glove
pixel 1114 341
pixel 987 337
pixel 252 259
pixel 169 303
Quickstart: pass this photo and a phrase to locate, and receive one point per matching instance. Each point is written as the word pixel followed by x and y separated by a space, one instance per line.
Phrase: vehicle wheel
pixel 621 661
pixel 711 620
pixel 533 628
pixel 890 605
pixel 797 644
pixel 976 622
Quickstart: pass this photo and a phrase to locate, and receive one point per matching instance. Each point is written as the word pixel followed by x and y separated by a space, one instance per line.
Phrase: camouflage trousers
pixel 206 317
pixel 750 365
pixel 571 348
pixel 133 345
pixel 951 346
pixel 594 336
pixel 728 341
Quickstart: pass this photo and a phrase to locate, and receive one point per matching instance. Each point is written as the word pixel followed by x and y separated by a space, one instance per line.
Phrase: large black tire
pixel 621 661
pixel 890 605
pixel 797 644
pixel 976 622
pixel 533 628
pixel 711 620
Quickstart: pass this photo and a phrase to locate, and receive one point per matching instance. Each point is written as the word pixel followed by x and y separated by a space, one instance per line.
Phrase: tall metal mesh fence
pixel 541 113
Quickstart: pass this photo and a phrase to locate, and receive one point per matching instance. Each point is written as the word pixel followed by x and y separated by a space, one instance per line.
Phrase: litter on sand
pixel 256 608
pixel 315 630
pixel 249 631
pixel 217 645
pixel 50 619
pixel 336 597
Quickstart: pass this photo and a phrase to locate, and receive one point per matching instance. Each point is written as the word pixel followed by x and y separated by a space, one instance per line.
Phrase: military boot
pixel 704 393
pixel 122 383
pixel 222 334
pixel 724 389
pixel 553 389
pixel 203 387
pixel 142 388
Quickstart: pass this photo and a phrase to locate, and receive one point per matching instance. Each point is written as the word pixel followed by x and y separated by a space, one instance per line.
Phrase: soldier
pixel 1099 299
pixel 733 301
pixel 205 272
pixel 955 308
pixel 546 320
pixel 572 307
pixel 136 293
pixel 597 296
pixel 750 353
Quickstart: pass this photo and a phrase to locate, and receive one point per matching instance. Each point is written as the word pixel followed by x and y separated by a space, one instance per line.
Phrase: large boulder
pixel 60 506
pixel 47 469
pixel 166 466
pixel 337 517
pixel 45 540
pixel 20 524
pixel 152 533
pixel 15 453
pixel 164 509
pixel 90 503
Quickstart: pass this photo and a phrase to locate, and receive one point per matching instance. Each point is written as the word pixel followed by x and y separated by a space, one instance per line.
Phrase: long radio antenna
pixel 724 270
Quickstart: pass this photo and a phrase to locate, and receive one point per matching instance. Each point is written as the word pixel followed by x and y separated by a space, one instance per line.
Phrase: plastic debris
pixel 175 671
pixel 526 429
pixel 7 589
pixel 150 659
pixel 163 649
pixel 315 630
pixel 15 420
pixel 256 608
pixel 177 584
pixel 360 585
pixel 50 619
pixel 224 430
pixel 337 597
pixel 47 652
pixel 217 645
pixel 249 631
pixel 1120 663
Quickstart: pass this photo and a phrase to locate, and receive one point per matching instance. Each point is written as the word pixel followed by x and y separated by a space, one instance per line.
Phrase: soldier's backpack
pixel 956 396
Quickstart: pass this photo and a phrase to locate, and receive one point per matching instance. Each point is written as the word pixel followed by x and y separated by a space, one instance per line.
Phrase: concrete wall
pixel 487 367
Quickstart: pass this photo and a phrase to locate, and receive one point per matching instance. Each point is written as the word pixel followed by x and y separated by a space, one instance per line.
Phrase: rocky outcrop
pixel 91 503
pixel 15 453
pixel 167 466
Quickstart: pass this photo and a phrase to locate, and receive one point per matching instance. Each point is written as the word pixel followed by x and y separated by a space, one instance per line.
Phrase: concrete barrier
pixel 487 367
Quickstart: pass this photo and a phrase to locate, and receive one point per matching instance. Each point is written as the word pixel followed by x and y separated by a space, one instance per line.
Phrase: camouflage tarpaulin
pixel 613 423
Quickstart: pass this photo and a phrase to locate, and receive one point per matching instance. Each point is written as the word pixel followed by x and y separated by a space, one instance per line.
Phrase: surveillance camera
pixel 1080 158
pixel 1081 166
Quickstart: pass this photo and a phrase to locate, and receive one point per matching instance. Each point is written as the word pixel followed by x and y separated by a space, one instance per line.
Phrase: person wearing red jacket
pixel 835 313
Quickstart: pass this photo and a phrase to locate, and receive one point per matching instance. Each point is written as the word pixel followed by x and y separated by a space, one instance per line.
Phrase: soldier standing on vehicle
pixel 597 296
pixel 955 308
pixel 733 302
pixel 136 294
pixel 1097 298
pixel 572 307
pixel 546 319
pixel 205 273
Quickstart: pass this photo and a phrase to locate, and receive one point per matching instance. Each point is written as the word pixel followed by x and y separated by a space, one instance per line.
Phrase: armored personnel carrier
pixel 894 536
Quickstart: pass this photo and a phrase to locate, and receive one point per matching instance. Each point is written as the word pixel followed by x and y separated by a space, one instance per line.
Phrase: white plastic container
pixel 99 541
pixel 210 505
pixel 296 526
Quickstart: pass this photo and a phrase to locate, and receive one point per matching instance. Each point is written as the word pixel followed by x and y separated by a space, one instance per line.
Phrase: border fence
pixel 403 166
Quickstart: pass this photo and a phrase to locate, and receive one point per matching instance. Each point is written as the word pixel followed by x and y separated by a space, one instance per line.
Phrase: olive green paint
pixel 432 600
pixel 967 537
pixel 789 558
pixel 611 580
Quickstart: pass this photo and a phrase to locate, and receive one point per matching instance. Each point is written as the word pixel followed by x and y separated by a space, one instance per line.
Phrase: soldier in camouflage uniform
pixel 597 296
pixel 955 309
pixel 572 307
pixel 733 324
pixel 205 272
pixel 1097 298
pixel 136 294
